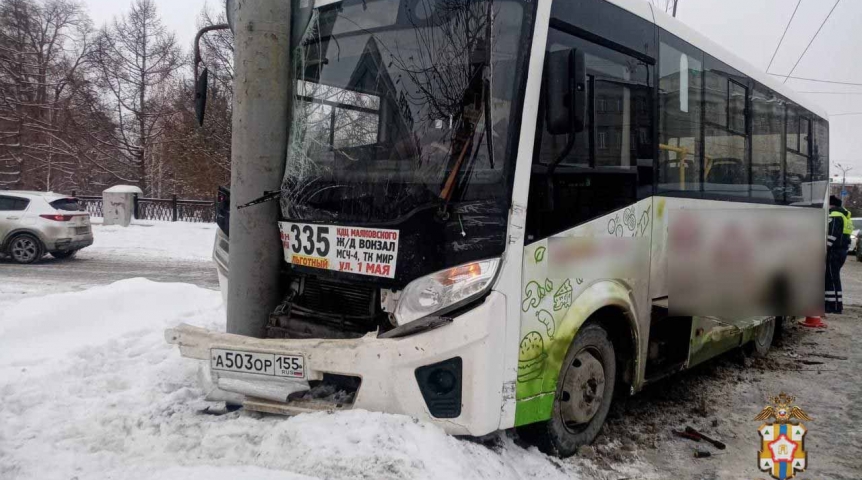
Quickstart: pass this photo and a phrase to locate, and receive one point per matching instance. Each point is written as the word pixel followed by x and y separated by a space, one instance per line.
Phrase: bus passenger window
pixel 680 139
pixel 767 146
pixel 797 175
pixel 725 159
pixel 819 161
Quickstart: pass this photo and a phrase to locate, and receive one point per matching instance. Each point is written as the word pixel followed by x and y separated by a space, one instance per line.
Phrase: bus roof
pixel 656 16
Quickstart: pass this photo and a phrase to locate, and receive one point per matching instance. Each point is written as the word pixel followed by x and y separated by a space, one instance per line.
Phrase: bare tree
pixel 82 110
pixel 217 51
pixel 136 59
pixel 197 159
pixel 43 51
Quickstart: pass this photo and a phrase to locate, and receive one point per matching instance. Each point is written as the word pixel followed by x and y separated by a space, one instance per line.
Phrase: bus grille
pixel 337 299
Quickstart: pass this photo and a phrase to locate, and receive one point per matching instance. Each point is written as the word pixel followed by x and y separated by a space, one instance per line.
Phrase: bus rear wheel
pixel 583 397
pixel 762 341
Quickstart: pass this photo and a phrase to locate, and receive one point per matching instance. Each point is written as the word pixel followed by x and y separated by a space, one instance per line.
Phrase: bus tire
pixel 764 334
pixel 584 393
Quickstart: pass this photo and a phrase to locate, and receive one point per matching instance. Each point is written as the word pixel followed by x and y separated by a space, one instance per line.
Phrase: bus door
pixel 589 214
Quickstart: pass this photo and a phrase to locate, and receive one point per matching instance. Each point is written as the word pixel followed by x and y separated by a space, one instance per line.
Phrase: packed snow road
pixel 160 251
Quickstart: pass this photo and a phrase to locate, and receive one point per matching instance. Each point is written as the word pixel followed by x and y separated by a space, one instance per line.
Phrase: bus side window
pixel 819 161
pixel 767 144
pixel 797 175
pixel 726 164
pixel 680 96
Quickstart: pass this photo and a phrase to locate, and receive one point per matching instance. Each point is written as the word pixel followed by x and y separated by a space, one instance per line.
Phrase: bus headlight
pixel 445 290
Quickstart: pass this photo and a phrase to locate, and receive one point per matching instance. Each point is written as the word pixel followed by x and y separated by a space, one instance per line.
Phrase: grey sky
pixel 749 28
pixel 180 16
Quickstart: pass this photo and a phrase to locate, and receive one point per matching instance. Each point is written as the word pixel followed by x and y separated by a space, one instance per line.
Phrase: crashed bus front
pixel 395 210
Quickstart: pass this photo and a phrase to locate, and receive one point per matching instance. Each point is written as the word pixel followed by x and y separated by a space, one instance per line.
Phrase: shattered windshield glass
pixel 403 104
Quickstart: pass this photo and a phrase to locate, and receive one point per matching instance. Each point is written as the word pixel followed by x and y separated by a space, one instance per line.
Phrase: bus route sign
pixel 359 250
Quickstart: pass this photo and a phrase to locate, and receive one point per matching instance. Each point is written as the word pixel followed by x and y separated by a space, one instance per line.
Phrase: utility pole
pixel 258 149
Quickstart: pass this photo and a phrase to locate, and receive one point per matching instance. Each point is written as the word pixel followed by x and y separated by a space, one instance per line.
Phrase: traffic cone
pixel 812 322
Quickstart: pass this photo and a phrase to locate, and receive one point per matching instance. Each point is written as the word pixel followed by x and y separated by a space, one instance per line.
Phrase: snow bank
pixel 162 240
pixel 90 390
pixel 41 331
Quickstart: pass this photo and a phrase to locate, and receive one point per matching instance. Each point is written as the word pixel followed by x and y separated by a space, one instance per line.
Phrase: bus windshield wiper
pixel 487 134
pixel 268 196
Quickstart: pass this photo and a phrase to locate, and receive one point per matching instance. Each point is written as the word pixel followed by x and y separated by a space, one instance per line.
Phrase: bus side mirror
pixel 566 92
pixel 201 96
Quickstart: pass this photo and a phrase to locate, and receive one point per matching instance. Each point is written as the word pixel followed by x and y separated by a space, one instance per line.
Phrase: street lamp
pixel 844 171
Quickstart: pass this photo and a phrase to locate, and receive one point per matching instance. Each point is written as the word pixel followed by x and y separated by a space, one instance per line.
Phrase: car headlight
pixel 445 290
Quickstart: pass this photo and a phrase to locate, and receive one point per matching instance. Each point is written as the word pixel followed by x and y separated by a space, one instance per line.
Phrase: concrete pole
pixel 262 92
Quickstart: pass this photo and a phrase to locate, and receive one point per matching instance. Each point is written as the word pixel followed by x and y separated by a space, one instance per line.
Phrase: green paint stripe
pixel 534 409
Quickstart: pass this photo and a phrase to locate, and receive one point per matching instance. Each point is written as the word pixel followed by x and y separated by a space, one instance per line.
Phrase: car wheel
pixel 584 393
pixel 762 341
pixel 64 255
pixel 25 248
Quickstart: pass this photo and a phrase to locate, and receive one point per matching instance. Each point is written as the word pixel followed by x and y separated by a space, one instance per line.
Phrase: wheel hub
pixel 762 335
pixel 24 249
pixel 583 389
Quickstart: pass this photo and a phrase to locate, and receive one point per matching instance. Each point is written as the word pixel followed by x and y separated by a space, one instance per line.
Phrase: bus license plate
pixel 273 365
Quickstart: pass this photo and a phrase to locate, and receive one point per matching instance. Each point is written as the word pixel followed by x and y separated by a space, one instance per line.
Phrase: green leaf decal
pixel 540 254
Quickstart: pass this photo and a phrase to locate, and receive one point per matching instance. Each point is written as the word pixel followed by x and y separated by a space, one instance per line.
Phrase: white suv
pixel 35 223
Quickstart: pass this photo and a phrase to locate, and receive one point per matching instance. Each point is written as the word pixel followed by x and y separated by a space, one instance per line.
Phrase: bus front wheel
pixel 583 397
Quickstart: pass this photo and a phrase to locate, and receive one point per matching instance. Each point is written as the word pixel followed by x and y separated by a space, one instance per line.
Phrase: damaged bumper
pixel 393 373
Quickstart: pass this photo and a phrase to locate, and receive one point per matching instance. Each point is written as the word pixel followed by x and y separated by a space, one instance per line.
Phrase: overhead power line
pixel 818 80
pixel 843 114
pixel 812 41
pixel 831 93
pixel 782 36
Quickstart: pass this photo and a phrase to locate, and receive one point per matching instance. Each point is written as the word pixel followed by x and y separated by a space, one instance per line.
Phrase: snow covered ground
pixel 90 390
pixel 145 238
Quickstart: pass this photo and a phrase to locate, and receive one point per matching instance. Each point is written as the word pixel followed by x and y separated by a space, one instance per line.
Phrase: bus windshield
pixel 403 104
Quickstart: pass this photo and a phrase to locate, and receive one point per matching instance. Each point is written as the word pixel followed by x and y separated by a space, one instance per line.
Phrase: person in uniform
pixel 837 244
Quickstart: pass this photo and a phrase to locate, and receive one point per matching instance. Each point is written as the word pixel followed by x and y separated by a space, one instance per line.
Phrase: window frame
pixel 801 115
pixel 745 113
pixel 601 140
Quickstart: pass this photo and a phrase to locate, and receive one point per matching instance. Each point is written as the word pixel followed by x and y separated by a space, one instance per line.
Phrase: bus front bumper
pixel 386 368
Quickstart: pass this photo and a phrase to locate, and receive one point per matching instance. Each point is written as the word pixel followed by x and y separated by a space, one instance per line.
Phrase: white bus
pixel 475 224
